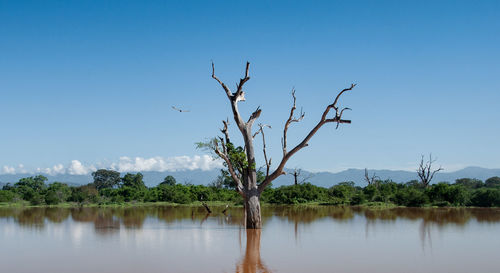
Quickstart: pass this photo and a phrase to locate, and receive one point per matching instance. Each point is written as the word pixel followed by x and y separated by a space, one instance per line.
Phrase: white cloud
pixel 127 164
pixel 8 170
pixel 57 169
pixel 76 167
pixel 160 164
pixel 21 169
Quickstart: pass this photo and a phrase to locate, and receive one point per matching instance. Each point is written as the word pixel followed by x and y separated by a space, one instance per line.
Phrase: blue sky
pixel 93 81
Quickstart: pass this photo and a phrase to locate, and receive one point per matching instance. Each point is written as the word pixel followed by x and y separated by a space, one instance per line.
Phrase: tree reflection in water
pixel 108 221
pixel 252 262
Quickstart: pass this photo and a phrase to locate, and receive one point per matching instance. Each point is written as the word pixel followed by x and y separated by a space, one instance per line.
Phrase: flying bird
pixel 180 110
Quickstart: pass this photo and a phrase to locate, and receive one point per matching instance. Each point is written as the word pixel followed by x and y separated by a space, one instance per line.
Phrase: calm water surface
pixel 182 239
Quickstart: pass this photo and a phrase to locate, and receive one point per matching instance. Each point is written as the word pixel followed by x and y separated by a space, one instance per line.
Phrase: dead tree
pixel 244 173
pixel 371 180
pixel 425 171
pixel 297 174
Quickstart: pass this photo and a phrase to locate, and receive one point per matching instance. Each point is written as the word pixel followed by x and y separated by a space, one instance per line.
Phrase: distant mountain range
pixel 324 179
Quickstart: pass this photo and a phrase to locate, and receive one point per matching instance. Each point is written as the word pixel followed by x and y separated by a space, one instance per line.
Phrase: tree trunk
pixel 252 209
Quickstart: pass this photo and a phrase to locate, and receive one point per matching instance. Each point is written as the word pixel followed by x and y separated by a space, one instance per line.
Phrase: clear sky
pixel 88 82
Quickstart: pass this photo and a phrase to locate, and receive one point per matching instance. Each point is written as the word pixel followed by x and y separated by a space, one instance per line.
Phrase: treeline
pixel 109 188
pixel 464 192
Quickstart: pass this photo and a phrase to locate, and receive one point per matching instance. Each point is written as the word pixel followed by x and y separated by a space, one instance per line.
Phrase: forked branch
pixel 228 92
pixel 239 87
pixel 338 114
pixel 261 131
pixel 290 120
pixel 234 98
pixel 288 154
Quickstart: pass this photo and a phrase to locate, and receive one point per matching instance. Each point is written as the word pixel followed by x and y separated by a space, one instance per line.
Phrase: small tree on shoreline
pixel 425 172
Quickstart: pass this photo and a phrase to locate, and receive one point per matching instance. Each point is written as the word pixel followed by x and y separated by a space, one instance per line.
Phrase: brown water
pixel 183 239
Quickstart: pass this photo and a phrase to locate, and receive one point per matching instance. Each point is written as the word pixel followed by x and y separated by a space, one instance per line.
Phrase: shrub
pixel 492 182
pixel 358 198
pixel 177 194
pixel 441 204
pixel 486 197
pixel 57 193
pixel 297 194
pixel 85 194
pixel 7 196
pixel 411 197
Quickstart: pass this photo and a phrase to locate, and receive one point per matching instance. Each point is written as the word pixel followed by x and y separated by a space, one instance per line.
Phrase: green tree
pixel 7 196
pixel 133 181
pixel 177 193
pixel 344 191
pixel 85 194
pixel 106 178
pixel 414 183
pixel 56 193
pixel 492 182
pixel 36 183
pixel 169 181
pixel 470 183
pixel 293 194
pixel 486 197
pixel 8 187
pixel 444 194
pixel 370 191
pixel 411 197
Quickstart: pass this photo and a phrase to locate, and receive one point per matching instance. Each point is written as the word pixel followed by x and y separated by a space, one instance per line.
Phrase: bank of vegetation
pixel 110 188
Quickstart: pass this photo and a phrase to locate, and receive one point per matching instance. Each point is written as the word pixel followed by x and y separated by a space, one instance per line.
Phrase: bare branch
pixel 224 130
pixel 261 130
pixel 239 87
pixel 342 92
pixel 340 117
pixel 255 115
pixel 209 211
pixel 289 121
pixel 287 155
pixel 228 92
pixel 368 180
pixel 425 172
pixel 334 104
pixel 236 97
pixel 305 178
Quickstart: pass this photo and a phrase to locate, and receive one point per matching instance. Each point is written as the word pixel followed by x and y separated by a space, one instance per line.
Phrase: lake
pixel 293 239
